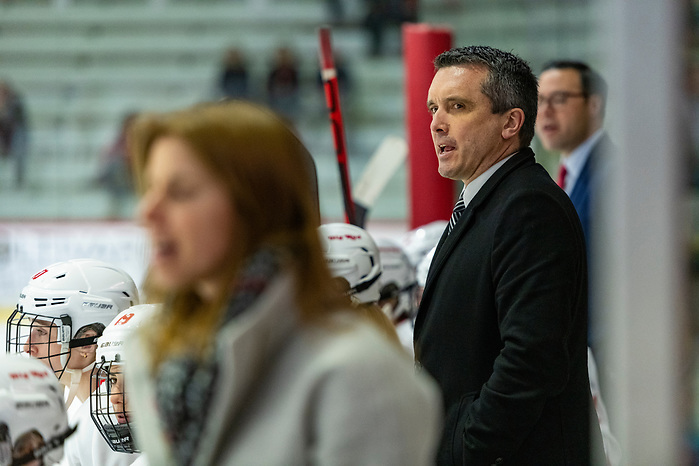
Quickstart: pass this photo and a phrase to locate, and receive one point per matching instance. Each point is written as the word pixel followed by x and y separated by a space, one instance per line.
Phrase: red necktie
pixel 562 176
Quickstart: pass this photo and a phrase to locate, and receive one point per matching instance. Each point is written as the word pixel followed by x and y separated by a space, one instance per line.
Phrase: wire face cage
pixel 108 406
pixel 43 337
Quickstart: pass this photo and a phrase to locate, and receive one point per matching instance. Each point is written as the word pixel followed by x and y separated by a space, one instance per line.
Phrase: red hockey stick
pixel 332 98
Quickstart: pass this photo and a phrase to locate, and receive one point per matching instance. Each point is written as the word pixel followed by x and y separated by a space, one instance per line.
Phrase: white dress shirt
pixel 575 162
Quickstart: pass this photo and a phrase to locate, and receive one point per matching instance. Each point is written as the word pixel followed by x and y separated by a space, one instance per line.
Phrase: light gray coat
pixel 290 394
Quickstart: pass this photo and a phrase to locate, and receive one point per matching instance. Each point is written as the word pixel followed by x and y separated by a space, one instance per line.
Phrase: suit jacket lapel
pixel 599 154
pixel 447 243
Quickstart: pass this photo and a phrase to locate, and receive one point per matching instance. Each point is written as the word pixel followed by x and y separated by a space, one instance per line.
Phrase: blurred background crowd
pixel 77 69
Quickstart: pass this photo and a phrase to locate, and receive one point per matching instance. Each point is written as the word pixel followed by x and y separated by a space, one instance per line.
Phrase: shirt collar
pixel 576 160
pixel 475 185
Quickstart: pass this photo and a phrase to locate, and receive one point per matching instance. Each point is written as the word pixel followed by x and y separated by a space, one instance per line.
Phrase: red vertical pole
pixel 431 197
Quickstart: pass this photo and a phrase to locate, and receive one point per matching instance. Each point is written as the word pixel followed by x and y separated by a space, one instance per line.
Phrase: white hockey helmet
pixel 352 254
pixel 419 241
pixel 397 280
pixel 33 421
pixel 63 298
pixel 107 397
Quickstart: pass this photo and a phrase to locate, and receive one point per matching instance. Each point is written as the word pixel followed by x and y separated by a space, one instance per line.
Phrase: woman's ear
pixel 513 123
pixel 88 352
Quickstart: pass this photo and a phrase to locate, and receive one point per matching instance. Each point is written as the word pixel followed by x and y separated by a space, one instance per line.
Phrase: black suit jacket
pixel 503 321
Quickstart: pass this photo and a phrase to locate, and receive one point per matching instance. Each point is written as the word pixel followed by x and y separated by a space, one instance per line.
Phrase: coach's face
pixel 467 135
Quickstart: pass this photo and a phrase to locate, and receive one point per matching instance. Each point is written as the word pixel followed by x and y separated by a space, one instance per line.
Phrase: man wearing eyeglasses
pixel 571 105
pixel 572 99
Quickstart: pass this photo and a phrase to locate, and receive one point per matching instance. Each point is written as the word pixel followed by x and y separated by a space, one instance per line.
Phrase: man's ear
pixel 594 103
pixel 513 123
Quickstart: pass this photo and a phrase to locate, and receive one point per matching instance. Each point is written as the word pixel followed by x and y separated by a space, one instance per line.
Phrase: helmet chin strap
pixel 75 377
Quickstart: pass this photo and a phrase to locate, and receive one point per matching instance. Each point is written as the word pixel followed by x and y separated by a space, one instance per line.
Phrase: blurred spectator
pixel 13 130
pixel 383 14
pixel 283 83
pixel 410 8
pixel 336 11
pixel 233 80
pixel 344 80
pixel 114 173
pixel 375 23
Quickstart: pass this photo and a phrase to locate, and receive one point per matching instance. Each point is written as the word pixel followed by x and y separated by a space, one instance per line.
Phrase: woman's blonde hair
pixel 269 175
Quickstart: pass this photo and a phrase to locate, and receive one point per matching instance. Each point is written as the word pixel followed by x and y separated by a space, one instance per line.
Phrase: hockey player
pixel 109 407
pixel 59 317
pixel 418 241
pixel 398 289
pixel 354 260
pixel 33 422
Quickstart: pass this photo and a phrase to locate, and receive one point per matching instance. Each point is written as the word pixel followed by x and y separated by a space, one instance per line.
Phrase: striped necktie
pixel 459 208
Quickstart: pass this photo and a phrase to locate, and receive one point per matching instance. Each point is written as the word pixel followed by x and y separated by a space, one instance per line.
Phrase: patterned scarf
pixel 185 384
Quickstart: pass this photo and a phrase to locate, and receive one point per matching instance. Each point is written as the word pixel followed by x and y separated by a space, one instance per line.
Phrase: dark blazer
pixel 588 181
pixel 502 325
pixel 587 186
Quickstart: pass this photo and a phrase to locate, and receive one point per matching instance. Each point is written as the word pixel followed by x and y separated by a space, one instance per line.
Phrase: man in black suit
pixel 503 319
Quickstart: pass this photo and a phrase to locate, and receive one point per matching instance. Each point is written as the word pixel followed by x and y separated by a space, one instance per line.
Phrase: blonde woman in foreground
pixel 257 358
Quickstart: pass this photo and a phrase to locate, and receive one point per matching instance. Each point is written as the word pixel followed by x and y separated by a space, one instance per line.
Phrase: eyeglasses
pixel 559 99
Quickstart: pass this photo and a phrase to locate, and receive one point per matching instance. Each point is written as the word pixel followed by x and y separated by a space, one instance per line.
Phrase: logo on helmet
pixel 345 236
pixel 108 344
pixel 336 260
pixel 94 305
pixel 124 319
pixel 40 274
pixel 28 375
